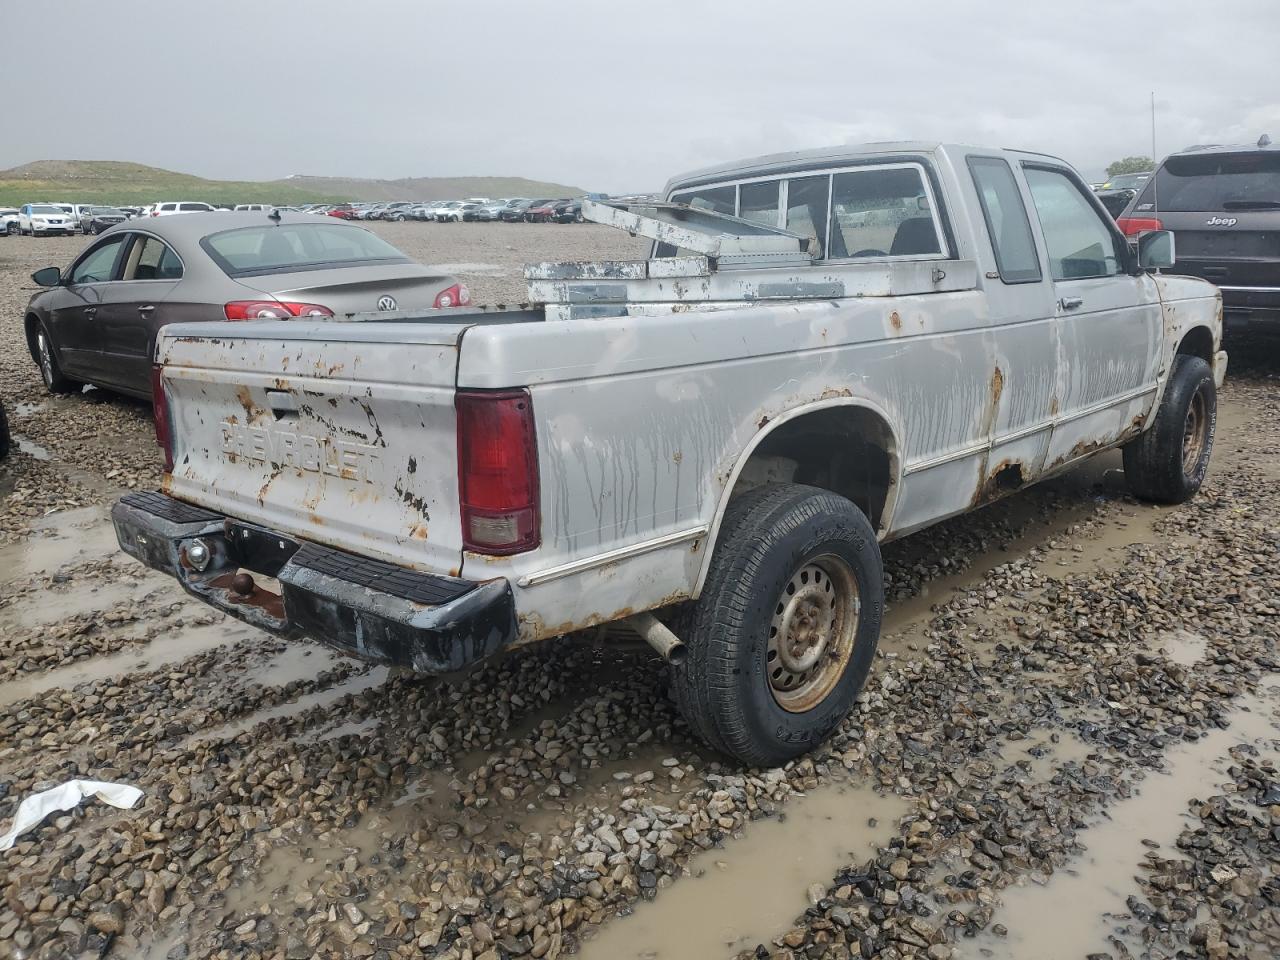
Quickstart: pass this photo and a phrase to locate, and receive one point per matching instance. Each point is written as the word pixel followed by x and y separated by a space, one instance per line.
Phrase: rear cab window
pixel 1214 183
pixel 879 210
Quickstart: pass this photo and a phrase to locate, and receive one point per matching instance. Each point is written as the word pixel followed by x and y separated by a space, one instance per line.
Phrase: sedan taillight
pixel 273 310
pixel 455 296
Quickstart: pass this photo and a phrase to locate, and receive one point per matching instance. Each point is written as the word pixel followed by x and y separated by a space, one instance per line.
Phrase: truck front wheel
pixel 782 638
pixel 1167 462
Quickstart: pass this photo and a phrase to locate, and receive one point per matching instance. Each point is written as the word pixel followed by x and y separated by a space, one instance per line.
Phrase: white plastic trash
pixel 36 807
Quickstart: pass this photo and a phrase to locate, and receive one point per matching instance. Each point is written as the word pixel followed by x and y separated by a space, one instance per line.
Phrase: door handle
pixel 1070 303
pixel 91 310
pixel 146 308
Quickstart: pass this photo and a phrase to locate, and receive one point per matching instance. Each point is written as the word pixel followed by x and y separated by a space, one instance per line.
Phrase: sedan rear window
pixel 290 247
pixel 1204 182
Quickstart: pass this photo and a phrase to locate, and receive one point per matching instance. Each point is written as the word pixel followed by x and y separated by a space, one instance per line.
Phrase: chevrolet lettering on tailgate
pixel 336 458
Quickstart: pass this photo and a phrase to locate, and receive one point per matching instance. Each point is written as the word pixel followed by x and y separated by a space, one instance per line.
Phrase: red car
pixel 343 211
pixel 541 212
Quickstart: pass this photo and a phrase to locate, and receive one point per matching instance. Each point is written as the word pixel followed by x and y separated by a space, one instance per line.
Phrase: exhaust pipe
pixel 670 647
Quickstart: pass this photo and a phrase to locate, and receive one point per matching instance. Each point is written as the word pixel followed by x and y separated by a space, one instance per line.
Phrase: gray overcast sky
pixel 615 94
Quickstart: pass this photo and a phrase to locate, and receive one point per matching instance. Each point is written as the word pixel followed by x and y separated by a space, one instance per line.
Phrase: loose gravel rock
pixel 1042 658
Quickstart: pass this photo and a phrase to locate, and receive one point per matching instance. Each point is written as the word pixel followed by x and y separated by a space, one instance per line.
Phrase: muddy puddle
pixel 1072 914
pixel 91 594
pixel 1181 647
pixel 298 662
pixel 31 448
pixel 59 539
pixel 752 890
pixel 171 647
pixel 1042 752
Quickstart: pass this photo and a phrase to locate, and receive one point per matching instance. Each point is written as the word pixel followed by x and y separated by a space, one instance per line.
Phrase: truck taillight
pixel 160 413
pixel 1132 226
pixel 273 310
pixel 498 471
pixel 456 296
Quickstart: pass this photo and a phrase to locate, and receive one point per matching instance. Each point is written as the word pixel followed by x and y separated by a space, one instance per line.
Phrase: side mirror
pixel 47 276
pixel 1155 249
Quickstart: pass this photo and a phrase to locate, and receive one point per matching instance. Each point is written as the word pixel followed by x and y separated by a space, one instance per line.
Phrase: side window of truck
pixel 716 199
pixel 1079 242
pixel 807 201
pixel 882 212
pixel 1006 217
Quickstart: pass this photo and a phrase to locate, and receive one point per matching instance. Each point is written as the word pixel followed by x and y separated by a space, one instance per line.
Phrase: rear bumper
pixel 1250 303
pixel 362 607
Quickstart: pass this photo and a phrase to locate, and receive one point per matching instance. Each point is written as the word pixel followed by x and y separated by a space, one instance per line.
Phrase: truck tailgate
pixel 341 433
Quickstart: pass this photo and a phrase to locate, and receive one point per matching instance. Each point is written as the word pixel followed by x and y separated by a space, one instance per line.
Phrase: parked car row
pixel 48 219
pixel 475 209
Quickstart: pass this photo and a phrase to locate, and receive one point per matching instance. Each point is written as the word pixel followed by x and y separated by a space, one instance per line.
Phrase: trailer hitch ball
pixel 198 554
pixel 242 584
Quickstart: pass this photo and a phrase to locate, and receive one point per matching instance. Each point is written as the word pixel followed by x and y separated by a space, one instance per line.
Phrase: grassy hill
pixel 112 181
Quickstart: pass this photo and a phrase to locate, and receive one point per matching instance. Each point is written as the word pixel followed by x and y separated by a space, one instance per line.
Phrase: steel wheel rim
pixel 1193 433
pixel 812 633
pixel 46 360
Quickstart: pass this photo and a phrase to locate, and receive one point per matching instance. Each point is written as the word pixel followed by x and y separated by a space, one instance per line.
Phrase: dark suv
pixel 1223 205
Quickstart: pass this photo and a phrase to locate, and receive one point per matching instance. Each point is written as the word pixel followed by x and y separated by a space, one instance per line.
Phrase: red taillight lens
pixel 455 296
pixel 160 413
pixel 273 310
pixel 1132 226
pixel 498 471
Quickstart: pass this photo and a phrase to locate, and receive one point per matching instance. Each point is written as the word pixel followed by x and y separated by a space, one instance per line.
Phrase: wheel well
pixel 1198 342
pixel 848 450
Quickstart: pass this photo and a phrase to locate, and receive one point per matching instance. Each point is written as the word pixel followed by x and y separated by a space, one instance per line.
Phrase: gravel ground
pixel 1067 748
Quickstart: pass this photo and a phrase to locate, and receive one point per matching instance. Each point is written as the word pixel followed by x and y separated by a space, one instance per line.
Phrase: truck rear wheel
pixel 783 636
pixel 1168 462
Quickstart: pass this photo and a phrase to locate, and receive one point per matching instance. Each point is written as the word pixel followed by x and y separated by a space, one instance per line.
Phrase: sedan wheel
pixel 50 372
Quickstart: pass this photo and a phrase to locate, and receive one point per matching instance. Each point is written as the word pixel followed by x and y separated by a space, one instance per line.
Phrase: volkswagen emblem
pixel 386 302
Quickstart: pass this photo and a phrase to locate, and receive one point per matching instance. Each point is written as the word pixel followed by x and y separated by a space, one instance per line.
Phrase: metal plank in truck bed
pixel 723 238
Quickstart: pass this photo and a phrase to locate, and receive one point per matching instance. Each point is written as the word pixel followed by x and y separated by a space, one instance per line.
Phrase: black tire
pixel 50 371
pixel 1167 463
pixel 13 228
pixel 4 433
pixel 728 686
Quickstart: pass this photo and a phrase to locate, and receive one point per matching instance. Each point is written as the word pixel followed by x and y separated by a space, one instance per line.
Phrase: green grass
pixel 118 182
pixel 111 182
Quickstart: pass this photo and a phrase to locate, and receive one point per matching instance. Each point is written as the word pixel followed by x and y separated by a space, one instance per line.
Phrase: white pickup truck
pixel 826 350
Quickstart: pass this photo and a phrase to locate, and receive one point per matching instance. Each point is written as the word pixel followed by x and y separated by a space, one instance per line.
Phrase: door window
pixel 194 207
pixel 152 259
pixel 98 265
pixel 882 212
pixel 1079 242
pixel 1006 217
